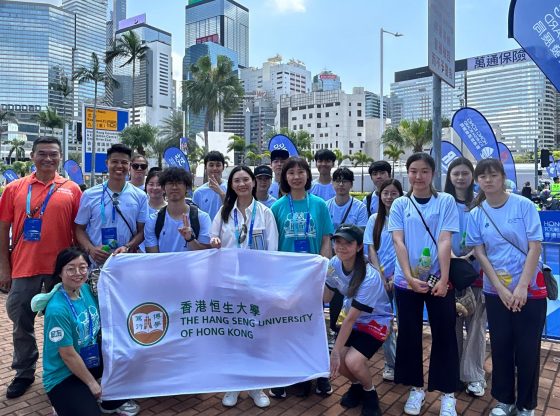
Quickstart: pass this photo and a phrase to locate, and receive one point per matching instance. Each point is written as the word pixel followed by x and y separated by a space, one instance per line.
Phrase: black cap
pixel 349 232
pixel 263 170
pixel 279 154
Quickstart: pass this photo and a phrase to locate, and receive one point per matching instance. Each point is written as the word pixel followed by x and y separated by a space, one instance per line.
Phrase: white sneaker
pixel 129 408
pixel 260 399
pixel 525 412
pixel 448 405
pixel 230 398
pixel 388 374
pixel 54 412
pixel 476 388
pixel 415 400
pixel 504 409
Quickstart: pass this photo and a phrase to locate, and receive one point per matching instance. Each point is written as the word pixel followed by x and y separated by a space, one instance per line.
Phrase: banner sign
pixel 441 39
pixel 535 25
pixel 497 59
pixel 219 324
pixel 74 171
pixel 281 141
pixel 509 163
pixel 477 134
pixel 550 221
pixel 33 168
pixel 176 158
pixel 10 175
pixel 449 153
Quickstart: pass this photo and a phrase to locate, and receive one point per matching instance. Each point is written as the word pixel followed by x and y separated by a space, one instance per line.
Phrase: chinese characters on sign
pixel 441 39
pixel 498 59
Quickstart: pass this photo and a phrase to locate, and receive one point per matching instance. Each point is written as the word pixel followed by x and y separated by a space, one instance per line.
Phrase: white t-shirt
pixel 325 192
pixel 386 254
pixel 357 214
pixel 208 200
pixel 439 213
pixel 518 220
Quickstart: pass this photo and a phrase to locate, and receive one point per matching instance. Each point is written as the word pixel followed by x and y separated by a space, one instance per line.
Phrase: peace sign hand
pixel 186 230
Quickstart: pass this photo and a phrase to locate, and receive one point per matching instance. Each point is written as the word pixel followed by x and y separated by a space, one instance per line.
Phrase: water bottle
pixel 425 263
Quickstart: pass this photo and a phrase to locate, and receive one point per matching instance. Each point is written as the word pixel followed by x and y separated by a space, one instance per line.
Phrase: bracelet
pixel 190 239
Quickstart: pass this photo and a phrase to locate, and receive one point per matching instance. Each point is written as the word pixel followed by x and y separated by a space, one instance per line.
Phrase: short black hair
pixel 380 166
pixel 64 257
pixel 46 140
pixel 175 174
pixel 344 174
pixel 155 171
pixel 214 156
pixel 119 148
pixel 290 163
pixel 325 154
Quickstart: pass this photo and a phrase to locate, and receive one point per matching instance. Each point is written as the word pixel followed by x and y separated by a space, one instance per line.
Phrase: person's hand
pixel 335 363
pixel 214 184
pixel 5 278
pixel 519 298
pixel 505 295
pixel 121 249
pixel 440 289
pixel 215 242
pixel 98 254
pixel 95 389
pixel 186 230
pixel 419 286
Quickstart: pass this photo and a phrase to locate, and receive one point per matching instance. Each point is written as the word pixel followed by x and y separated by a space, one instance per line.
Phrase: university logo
pixel 148 323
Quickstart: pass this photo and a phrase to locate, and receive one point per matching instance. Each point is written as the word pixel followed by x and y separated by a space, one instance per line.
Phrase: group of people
pixel 389 256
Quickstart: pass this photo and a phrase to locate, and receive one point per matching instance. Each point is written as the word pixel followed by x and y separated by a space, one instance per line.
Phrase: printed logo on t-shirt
pixel 294 226
pixel 56 334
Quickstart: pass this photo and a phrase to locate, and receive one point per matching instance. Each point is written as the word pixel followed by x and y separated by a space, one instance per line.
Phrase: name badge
pixel 32 229
pixel 90 355
pixel 109 237
pixel 301 246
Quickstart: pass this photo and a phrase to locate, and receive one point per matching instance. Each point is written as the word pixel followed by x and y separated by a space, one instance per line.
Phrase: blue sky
pixel 343 35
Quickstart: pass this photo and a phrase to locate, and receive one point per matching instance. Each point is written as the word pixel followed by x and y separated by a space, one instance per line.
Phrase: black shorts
pixel 364 343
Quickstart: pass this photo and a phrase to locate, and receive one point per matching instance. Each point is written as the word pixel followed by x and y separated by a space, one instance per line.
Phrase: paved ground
pixel 35 402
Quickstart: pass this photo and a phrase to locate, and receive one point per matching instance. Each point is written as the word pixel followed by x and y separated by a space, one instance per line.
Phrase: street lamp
pixel 381 125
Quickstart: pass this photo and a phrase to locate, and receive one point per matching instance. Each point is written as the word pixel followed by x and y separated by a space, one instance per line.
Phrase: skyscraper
pixel 326 81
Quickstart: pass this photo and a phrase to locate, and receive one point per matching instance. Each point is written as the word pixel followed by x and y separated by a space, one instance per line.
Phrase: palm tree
pixel 237 145
pixel 94 74
pixel 5 116
pixel 50 119
pixel 140 136
pixel 159 146
pixel 172 128
pixel 195 156
pixel 212 90
pixel 340 157
pixel 361 159
pixel 415 134
pixel 393 136
pixel 64 86
pixel 393 152
pixel 132 48
pixel 307 155
pixel 17 148
pixel 20 168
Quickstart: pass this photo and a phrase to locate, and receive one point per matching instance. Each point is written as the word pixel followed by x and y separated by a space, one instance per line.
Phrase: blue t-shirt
pixel 325 192
pixel 208 200
pixel 170 240
pixel 374 205
pixel 357 214
pixel 291 227
pixel 269 201
pixel 371 299
pixel 440 214
pixel 63 329
pixel 518 220
pixel 274 189
pixel 386 254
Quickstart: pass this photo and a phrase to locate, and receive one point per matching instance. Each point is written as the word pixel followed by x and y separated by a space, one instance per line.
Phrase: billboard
pixel 132 21
pixel 110 121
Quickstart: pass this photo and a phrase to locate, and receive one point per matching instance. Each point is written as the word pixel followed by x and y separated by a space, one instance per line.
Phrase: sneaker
pixel 278 392
pixel 415 400
pixel 129 408
pixel 353 397
pixel 323 387
pixel 504 409
pixel 260 399
pixel 388 374
pixel 476 388
pixel 230 398
pixel 371 404
pixel 525 412
pixel 448 402
pixel 18 387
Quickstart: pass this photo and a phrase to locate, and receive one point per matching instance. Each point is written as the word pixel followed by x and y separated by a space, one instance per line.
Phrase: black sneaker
pixel 278 392
pixel 353 397
pixel 303 389
pixel 323 387
pixel 18 387
pixel 371 404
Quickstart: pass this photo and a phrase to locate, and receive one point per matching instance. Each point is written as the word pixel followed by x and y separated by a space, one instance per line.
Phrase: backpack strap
pixel 160 221
pixel 368 204
pixel 193 218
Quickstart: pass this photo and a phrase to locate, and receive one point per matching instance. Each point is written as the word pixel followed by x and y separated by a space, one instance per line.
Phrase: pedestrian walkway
pixel 392 397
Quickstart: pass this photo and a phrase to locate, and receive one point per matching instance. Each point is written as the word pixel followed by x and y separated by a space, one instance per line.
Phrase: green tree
pixel 212 90
pixel 307 155
pixel 253 158
pixel 393 152
pixel 138 137
pixel 237 145
pixel 393 136
pixel 415 134
pixel 20 168
pixel 171 128
pixel 195 156
pixel 76 157
pixel 17 149
pixel 64 87
pixel 94 74
pixel 133 49
pixel 300 138
pixel 340 157
pixel 159 146
pixel 50 119
pixel 361 159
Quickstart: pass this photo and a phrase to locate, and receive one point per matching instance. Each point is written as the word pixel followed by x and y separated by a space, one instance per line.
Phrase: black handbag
pixel 461 272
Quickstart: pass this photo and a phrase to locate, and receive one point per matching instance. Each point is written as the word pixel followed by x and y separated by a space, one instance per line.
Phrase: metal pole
pixel 536 165
pixel 381 124
pixel 436 127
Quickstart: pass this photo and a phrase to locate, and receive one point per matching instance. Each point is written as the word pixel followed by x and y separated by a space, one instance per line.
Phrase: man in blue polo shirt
pixel 323 186
pixel 210 196
pixel 277 159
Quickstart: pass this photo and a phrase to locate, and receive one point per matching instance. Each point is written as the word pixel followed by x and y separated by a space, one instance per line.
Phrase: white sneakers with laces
pixel 476 388
pixel 230 398
pixel 415 400
pixel 448 402
pixel 260 399
pixel 504 409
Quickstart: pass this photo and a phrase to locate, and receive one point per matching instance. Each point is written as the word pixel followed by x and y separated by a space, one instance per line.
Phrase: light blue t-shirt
pixel 357 214
pixel 386 254
pixel 371 299
pixel 170 240
pixel 269 201
pixel 440 214
pixel 291 227
pixel 374 205
pixel 518 220
pixel 325 192
pixel 133 204
pixel 208 200
pixel 62 329
pixel 274 189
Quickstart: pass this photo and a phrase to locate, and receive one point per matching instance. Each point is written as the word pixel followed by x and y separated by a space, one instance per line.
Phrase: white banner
pixel 211 321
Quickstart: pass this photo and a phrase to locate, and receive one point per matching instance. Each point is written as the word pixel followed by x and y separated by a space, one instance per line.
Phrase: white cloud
pixel 289 6
pixel 177 61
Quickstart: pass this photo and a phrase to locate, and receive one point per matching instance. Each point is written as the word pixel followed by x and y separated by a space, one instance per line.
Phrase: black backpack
pixel 193 218
pixel 368 204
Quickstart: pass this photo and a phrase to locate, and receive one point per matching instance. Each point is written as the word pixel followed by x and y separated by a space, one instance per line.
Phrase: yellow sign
pixel 105 119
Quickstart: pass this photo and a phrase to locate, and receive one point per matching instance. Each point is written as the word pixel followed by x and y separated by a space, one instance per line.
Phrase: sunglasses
pixel 139 166
pixel 115 199
pixel 243 234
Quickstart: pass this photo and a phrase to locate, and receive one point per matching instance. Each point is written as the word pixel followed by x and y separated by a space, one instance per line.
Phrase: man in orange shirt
pixel 40 209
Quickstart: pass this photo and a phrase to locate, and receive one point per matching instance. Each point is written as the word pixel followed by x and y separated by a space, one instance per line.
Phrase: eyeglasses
pixel 139 166
pixel 73 271
pixel 343 182
pixel 243 234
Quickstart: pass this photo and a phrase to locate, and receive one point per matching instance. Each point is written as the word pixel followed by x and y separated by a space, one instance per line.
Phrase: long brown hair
pixel 382 212
pixel 359 273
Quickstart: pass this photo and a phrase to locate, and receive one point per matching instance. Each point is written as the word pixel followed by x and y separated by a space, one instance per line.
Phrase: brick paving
pixel 392 396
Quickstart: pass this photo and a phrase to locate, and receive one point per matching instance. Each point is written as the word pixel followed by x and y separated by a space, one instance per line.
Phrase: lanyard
pixel 307 216
pixel 106 191
pixel 45 202
pixel 73 309
pixel 238 233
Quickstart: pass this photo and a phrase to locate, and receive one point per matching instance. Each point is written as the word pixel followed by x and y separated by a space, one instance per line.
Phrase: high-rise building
pixel 326 81
pixel 506 87
pixel 372 105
